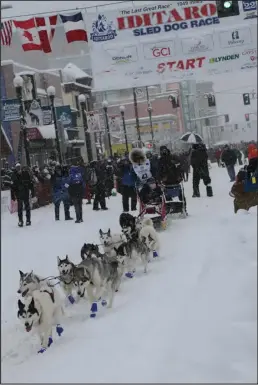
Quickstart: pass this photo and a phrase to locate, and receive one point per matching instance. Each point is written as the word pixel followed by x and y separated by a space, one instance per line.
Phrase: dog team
pixel 97 276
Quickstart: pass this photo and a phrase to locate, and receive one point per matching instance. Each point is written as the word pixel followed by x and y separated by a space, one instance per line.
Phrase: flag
pixel 46 31
pixel 36 33
pixel 6 32
pixel 74 27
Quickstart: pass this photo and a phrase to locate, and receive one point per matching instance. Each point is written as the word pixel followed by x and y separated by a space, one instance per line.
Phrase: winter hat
pixel 137 156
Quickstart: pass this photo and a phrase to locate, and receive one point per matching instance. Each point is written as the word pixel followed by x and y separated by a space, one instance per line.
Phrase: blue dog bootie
pixel 104 302
pixel 71 299
pixel 129 274
pixel 50 341
pixel 59 329
pixel 42 350
pixel 155 254
pixel 94 309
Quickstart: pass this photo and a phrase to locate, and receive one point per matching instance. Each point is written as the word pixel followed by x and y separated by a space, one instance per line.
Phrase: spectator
pixel 22 186
pixel 59 180
pixel 229 157
pixel 126 184
pixel 199 163
pixel 76 187
pixel 97 180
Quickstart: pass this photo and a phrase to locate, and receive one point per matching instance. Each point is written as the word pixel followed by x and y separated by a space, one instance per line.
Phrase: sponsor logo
pixel 248 52
pixel 249 65
pixel 102 30
pixel 235 38
pixel 249 5
pixel 148 23
pixel 181 65
pixel 122 59
pixel 223 58
pixel 139 72
pixel 200 44
pixel 160 49
pixel 157 52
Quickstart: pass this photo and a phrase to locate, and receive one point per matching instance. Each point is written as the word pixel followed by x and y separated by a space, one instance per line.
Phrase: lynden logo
pixel 141 71
pixel 223 58
pixel 122 59
pixel 157 51
pixel 102 30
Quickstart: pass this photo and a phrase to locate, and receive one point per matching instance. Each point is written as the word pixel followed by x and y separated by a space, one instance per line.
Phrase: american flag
pixel 6 32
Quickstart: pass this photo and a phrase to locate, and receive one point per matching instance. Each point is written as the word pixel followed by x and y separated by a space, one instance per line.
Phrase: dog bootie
pixel 104 302
pixel 155 254
pixel 94 309
pixel 42 350
pixel 71 299
pixel 129 274
pixel 59 330
pixel 50 341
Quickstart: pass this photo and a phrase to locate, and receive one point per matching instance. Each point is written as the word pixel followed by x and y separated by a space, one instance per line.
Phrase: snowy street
pixel 191 318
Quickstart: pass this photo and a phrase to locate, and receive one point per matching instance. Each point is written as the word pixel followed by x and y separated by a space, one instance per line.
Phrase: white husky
pixel 149 236
pixel 42 309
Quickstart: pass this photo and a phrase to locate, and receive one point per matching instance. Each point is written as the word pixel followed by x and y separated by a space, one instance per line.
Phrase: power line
pixel 63 10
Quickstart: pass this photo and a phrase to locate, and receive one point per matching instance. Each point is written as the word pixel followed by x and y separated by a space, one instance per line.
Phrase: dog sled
pixel 174 199
pixel 154 206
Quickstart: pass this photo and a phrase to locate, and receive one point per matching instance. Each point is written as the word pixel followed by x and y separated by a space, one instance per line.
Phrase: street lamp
pixel 122 110
pixel 51 92
pixel 18 84
pixel 82 101
pixel 105 107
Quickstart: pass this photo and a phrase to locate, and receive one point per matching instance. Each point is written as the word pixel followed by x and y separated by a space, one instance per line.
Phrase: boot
pixel 28 223
pixel 209 191
pixel 196 192
pixel 56 213
pixel 67 215
pixel 20 223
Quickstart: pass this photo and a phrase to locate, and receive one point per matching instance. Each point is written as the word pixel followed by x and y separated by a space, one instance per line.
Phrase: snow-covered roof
pixel 48 132
pixel 25 73
pixel 71 72
pixel 54 71
pixel 77 84
pixel 41 91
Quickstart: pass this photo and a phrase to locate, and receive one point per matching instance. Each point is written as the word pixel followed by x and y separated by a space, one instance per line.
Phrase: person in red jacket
pixel 218 155
pixel 253 158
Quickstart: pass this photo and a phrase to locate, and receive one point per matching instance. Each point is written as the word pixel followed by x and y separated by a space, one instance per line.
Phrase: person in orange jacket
pixel 253 158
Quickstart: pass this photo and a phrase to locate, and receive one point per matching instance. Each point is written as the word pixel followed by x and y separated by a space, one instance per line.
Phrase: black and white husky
pixel 66 275
pixel 42 310
pixel 97 277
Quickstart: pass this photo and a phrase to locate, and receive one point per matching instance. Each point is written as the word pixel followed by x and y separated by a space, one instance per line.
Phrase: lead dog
pixel 42 310
pixel 66 275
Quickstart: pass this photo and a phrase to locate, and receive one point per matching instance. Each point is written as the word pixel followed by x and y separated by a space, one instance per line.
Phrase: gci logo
pixel 157 52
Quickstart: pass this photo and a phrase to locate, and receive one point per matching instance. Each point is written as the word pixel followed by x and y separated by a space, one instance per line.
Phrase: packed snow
pixel 191 318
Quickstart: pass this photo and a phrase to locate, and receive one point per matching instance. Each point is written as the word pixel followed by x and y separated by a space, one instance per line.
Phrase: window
pixel 77 104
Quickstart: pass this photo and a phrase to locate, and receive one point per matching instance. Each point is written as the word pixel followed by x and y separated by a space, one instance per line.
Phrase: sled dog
pixel 30 282
pixel 97 276
pixel 66 273
pixel 109 241
pixel 42 310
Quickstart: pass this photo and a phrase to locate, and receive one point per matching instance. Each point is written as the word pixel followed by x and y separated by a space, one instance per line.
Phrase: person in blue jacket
pixel 126 184
pixel 60 193
pixel 76 187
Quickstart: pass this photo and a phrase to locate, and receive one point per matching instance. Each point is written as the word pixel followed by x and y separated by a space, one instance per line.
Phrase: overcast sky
pixel 243 82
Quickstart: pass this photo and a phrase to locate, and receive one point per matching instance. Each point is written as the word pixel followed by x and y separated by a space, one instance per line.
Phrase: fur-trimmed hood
pixel 137 156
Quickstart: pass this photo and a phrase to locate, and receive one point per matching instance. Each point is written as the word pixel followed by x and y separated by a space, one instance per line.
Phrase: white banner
pixel 95 121
pixel 115 123
pixel 168 41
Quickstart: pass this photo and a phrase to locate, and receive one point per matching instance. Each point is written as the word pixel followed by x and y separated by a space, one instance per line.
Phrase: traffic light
pixel 226 118
pixel 211 100
pixel 227 8
pixel 246 99
pixel 247 117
